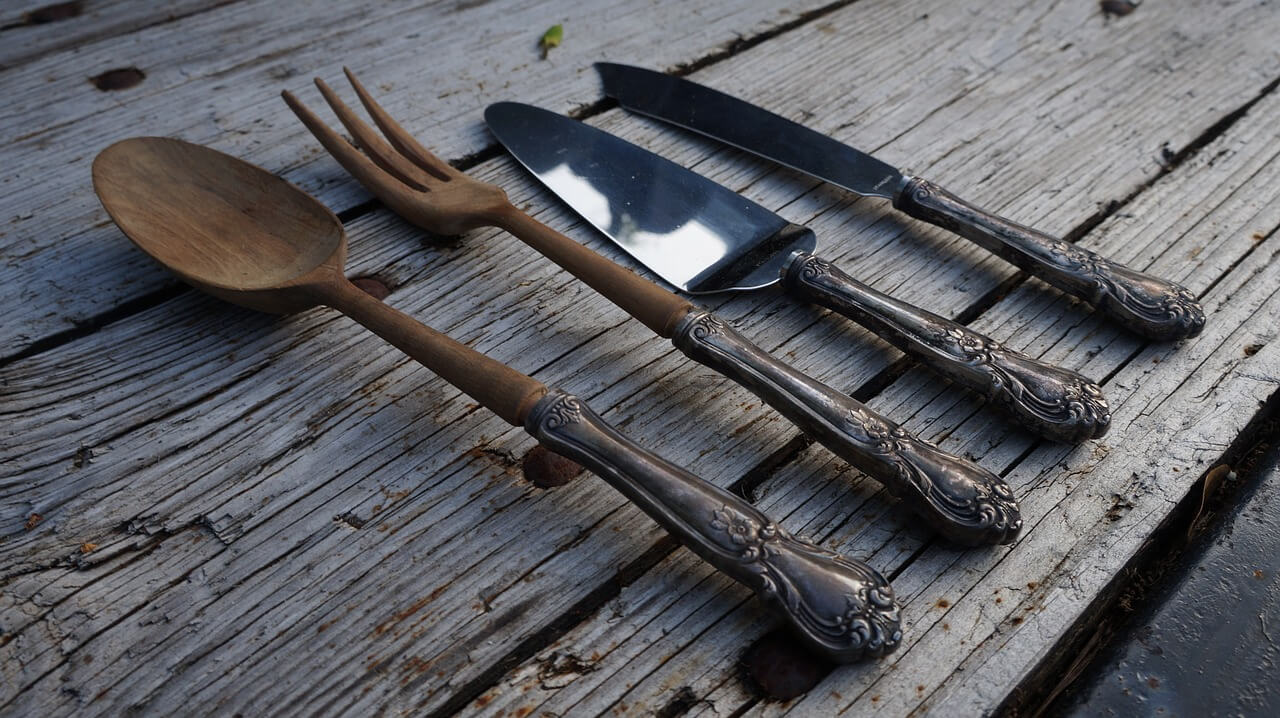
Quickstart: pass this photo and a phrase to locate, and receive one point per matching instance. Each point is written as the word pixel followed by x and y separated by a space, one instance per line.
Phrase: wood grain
pixel 307 563
pixel 31 29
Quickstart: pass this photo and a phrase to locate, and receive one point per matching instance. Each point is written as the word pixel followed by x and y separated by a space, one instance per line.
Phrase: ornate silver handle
pixel 959 499
pixel 1147 305
pixel 1057 403
pixel 843 608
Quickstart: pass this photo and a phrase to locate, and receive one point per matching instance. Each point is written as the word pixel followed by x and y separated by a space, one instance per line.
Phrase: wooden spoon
pixel 242 234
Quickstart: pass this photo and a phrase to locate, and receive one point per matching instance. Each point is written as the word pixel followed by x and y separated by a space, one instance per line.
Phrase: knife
pixel 702 237
pixel 1147 305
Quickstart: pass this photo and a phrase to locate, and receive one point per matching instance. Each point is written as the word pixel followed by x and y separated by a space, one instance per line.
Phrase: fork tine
pixel 367 138
pixel 373 177
pixel 399 138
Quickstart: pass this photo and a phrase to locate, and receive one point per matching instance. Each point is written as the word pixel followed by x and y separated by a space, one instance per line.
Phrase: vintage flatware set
pixel 243 234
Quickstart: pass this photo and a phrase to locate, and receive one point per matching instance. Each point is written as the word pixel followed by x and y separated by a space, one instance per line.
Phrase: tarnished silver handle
pixel 959 499
pixel 1150 306
pixel 842 608
pixel 1055 402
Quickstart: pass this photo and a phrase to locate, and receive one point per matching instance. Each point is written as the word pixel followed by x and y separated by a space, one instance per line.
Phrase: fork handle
pixel 652 305
pixel 959 499
pixel 1055 402
pixel 1153 307
pixel 842 608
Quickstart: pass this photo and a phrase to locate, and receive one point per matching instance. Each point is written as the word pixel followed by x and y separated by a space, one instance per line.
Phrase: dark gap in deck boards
pixel 1189 657
pixel 164 19
pixel 1239 260
pixel 1173 162
pixel 742 44
pixel 747 485
pixel 1204 293
pixel 745 708
pixel 84 328
pixel 1106 615
pixel 755 476
pixel 893 575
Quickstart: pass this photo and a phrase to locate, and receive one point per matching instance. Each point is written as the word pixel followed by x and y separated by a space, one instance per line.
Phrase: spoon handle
pixel 842 608
pixel 499 388
pixel 1055 402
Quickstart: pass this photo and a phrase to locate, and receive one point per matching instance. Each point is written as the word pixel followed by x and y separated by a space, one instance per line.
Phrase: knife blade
pixel 1147 305
pixel 701 236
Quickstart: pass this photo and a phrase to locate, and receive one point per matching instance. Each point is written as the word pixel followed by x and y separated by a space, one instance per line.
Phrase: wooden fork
pixel 958 498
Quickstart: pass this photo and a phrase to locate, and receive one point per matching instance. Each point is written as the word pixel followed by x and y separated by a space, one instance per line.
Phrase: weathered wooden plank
pixel 31 29
pixel 215 78
pixel 233 456
pixel 980 621
pixel 298 544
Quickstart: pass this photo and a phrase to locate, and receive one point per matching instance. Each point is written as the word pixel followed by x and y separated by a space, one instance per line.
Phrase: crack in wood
pixel 539 641
pixel 81 36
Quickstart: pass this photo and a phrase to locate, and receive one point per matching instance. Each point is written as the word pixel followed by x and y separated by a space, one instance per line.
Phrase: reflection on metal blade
pixel 692 232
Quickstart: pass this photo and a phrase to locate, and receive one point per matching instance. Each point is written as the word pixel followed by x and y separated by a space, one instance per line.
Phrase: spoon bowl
pixel 244 235
pixel 225 226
